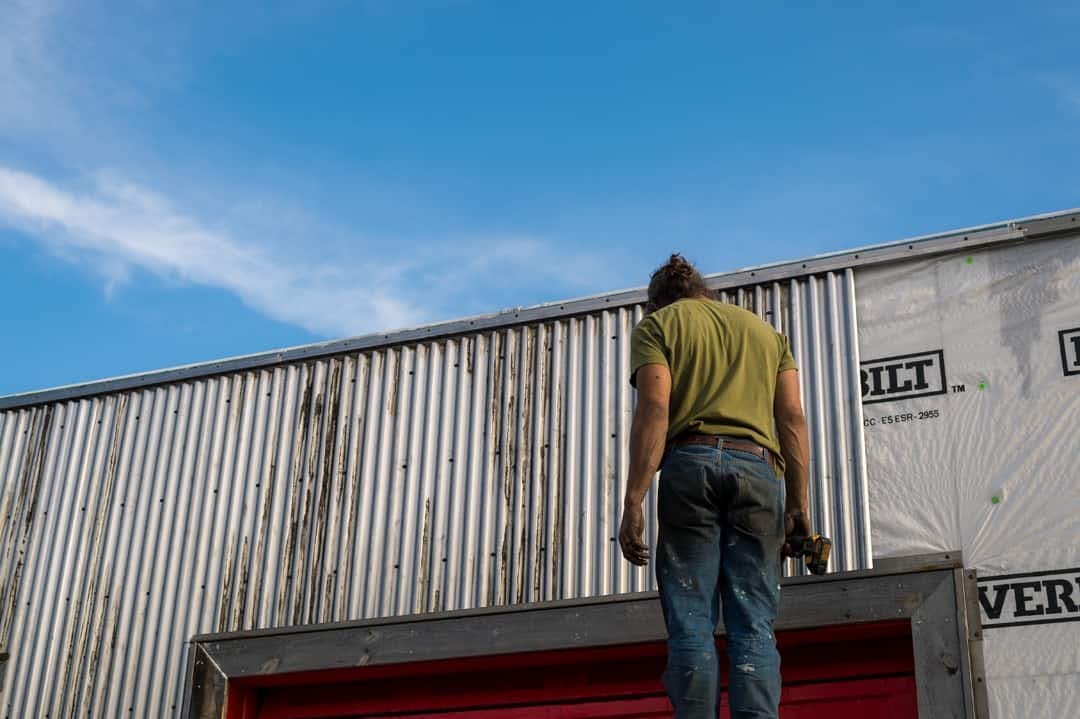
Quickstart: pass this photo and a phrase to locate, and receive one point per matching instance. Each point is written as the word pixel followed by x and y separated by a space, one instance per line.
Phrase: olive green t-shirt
pixel 723 362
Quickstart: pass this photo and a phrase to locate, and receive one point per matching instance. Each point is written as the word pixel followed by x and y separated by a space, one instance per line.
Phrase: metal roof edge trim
pixel 1028 228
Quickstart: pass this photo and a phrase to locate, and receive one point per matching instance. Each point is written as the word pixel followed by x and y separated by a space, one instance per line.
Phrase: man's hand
pixel 632 535
pixel 796 526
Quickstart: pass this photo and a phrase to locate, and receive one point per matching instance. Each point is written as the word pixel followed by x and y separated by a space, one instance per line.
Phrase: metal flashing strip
pixel 1031 228
pixel 936 600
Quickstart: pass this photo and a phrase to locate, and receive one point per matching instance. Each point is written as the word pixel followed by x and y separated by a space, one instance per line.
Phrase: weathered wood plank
pixel 548 627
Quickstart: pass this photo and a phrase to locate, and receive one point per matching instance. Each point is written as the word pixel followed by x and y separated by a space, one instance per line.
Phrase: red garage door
pixel 840 673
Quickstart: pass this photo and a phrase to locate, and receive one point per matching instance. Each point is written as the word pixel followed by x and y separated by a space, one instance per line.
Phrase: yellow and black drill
pixel 814 549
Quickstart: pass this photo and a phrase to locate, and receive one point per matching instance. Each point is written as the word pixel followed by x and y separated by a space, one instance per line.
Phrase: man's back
pixel 723 362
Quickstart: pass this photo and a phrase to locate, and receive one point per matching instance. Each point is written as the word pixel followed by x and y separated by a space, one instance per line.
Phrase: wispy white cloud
pixel 25 68
pixel 501 263
pixel 58 93
pixel 116 227
pixel 70 71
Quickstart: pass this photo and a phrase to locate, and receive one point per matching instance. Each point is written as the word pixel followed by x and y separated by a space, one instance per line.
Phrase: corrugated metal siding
pixel 459 472
pixel 817 313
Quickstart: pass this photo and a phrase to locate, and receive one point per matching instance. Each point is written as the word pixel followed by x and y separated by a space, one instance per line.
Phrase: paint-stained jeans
pixel 721 515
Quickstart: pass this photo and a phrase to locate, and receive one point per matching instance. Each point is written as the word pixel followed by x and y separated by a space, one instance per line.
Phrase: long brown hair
pixel 674 280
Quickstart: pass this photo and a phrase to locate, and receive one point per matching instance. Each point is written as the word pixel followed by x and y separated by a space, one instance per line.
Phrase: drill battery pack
pixel 815 551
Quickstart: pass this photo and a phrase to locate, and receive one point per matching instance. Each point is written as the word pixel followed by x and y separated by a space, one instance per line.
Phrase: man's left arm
pixel 648 435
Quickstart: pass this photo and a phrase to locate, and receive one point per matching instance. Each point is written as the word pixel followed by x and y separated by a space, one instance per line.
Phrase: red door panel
pixel 883 698
pixel 644 708
pixel 886 698
pixel 840 673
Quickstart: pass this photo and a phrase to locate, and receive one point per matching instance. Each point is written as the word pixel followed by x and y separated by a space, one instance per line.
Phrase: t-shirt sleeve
pixel 646 347
pixel 786 360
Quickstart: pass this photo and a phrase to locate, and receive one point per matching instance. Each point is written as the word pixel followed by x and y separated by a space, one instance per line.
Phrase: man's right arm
pixel 795 446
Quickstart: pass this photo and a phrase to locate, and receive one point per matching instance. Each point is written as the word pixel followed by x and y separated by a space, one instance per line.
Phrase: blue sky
pixel 181 181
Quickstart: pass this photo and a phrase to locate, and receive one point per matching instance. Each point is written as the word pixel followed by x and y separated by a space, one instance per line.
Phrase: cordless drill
pixel 814 549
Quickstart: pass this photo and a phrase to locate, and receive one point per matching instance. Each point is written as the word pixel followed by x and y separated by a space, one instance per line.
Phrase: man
pixel 712 379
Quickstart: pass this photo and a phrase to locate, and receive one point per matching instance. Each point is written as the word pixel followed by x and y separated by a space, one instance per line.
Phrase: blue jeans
pixel 721 514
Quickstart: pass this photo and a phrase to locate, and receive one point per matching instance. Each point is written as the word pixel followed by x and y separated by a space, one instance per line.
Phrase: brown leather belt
pixel 718 441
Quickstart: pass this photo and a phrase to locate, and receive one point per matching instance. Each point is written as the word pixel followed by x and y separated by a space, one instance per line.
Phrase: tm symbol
pixel 958 388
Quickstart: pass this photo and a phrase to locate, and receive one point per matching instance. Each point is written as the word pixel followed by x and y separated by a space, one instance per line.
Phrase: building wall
pixel 465 470
pixel 982 455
